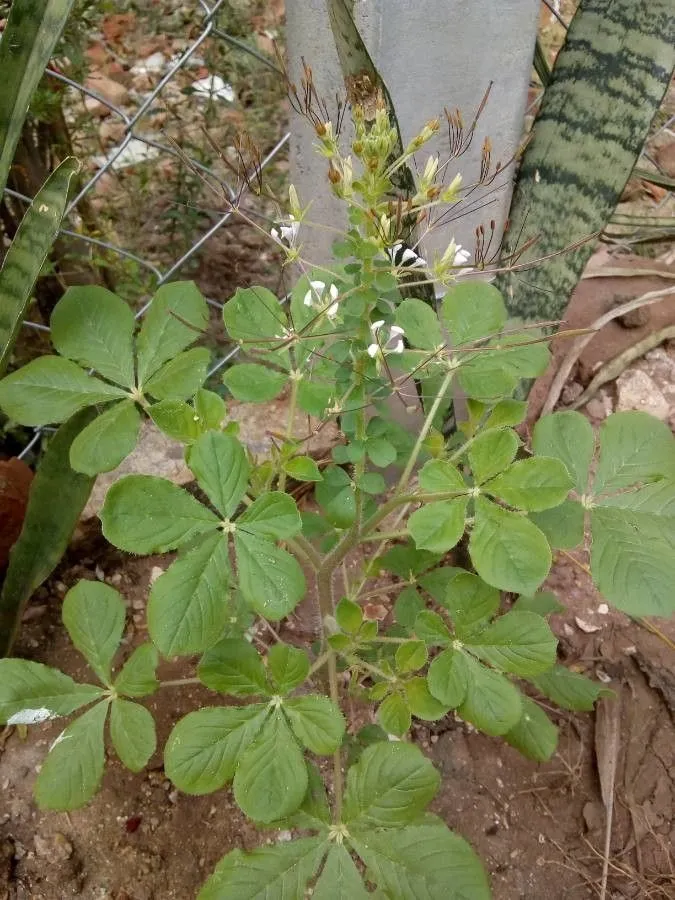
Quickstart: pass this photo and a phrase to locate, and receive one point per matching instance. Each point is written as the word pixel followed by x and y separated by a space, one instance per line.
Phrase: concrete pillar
pixel 431 54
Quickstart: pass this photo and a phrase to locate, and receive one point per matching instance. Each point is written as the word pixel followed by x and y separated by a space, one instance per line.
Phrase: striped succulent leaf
pixel 606 86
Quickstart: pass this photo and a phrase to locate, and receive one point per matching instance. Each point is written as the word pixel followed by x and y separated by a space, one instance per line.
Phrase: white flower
pixel 455 256
pixel 393 343
pixel 402 256
pixel 316 297
pixel 461 256
pixel 286 233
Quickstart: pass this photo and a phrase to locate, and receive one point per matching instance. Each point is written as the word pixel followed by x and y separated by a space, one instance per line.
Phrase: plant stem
pixel 318 663
pixel 422 436
pixel 384 536
pixel 290 424
pixel 324 587
pixel 302 547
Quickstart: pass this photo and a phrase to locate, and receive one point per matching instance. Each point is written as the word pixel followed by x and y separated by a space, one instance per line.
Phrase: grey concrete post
pixel 431 54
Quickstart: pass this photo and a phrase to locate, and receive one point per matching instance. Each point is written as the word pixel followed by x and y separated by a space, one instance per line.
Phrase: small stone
pixel 603 609
pixel 112 91
pixel 155 572
pixel 284 836
pixel 585 626
pixel 596 408
pixel 636 318
pixel 55 848
pixel 636 390
pixel 116 578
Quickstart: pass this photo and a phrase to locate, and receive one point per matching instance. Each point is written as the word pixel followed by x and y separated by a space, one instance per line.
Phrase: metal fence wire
pixel 204 22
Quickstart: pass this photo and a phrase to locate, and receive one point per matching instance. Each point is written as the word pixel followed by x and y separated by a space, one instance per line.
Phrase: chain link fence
pixel 205 27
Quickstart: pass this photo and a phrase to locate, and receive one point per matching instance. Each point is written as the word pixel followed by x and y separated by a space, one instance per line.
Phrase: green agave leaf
pixel 253 383
pixel 132 731
pixel 420 324
pixel 507 550
pixel 31 33
pixel 94 615
pixel 518 642
pixel 634 447
pixel 47 526
pixel 204 747
pixel 491 703
pixel 137 677
pixel 271 778
pixel 437 527
pixel 283 870
pixel 31 693
pixel 535 735
pixel 144 514
pixel 51 389
pixel 567 436
pixel 473 310
pixel 569 689
pixel 105 442
pixel 425 860
pixel 288 667
pixel 180 377
pixel 221 468
pixel 492 452
pixel 270 579
pixel 340 879
pixel 563 525
pixel 272 515
pixel 233 666
pixel 95 328
pixel 390 786
pixel 73 768
pixel 533 484
pixel 394 716
pixel 316 722
pixel 187 607
pixel 28 250
pixel 177 316
pixel 448 678
pixel 335 496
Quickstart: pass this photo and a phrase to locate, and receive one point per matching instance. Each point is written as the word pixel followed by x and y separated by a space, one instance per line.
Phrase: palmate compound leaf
pixel 205 747
pixel 94 614
pixel 145 514
pixel 518 642
pixel 221 468
pixel 422 860
pixel 507 550
pixel 94 327
pixel 390 786
pixel 31 693
pixel 270 579
pixel 633 549
pixel 188 605
pixel 271 779
pixel 177 316
pixel 132 731
pixel 277 872
pixel 104 443
pixel 73 768
pixel 52 389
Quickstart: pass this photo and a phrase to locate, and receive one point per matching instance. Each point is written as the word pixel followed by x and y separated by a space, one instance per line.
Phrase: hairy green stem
pixel 422 436
pixel 179 682
pixel 289 424
pixel 324 586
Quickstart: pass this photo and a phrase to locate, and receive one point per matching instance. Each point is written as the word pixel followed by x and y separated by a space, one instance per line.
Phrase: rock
pixel 111 90
pixel 636 318
pixel 154 454
pixel 636 390
pixel 111 132
pixel 54 848
pixel 263 424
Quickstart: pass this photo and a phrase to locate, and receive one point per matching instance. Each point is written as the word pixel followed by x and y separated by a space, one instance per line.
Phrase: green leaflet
pixel 569 689
pixel 137 677
pixel 492 703
pixel 393 715
pixel 270 579
pixel 252 383
pixel 31 692
pixel 607 84
pixel 316 722
pixel 177 316
pixel 340 879
pixel 95 328
pixel 567 436
pixel 473 310
pixel 180 377
pixel 437 527
pixel 288 667
pixel 47 526
pixel 51 389
pixel 27 252
pixel 221 468
pixel 132 732
pixel 420 323
pixel 518 642
pixel 534 734
pixel 94 614
pixel 31 32
pixel 73 769
pixel 233 666
pixel 105 442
